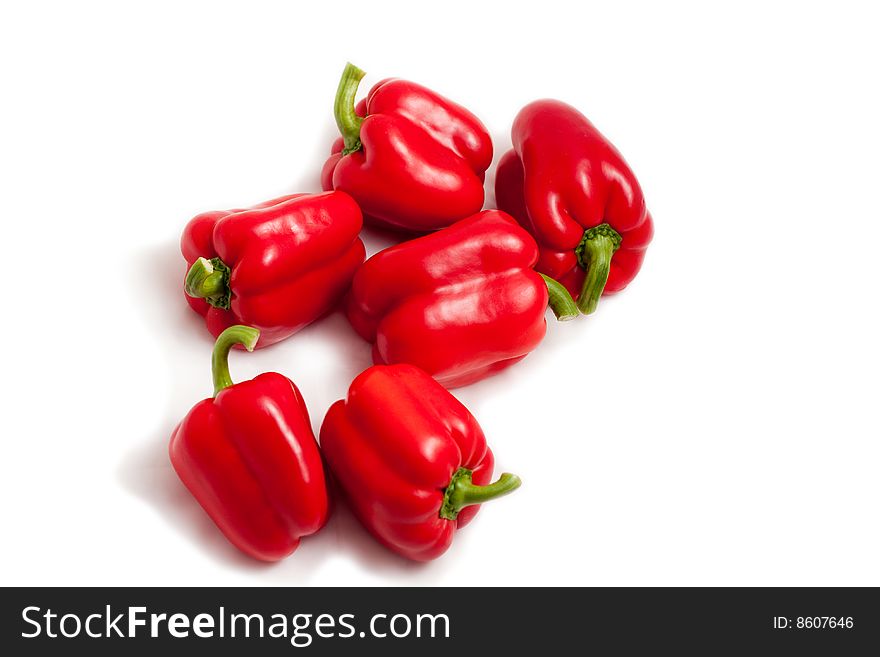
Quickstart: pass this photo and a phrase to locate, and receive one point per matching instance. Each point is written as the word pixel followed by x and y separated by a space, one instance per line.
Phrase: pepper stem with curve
pixel 343 108
pixel 594 255
pixel 238 334
pixel 561 303
pixel 462 491
pixel 209 280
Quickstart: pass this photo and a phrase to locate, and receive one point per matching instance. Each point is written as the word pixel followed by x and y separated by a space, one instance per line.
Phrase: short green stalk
pixel 209 280
pixel 243 335
pixel 594 256
pixel 463 492
pixel 343 108
pixel 561 303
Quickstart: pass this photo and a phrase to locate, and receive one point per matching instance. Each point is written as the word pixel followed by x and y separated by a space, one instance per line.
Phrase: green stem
pixel 209 280
pixel 244 335
pixel 594 255
pixel 462 492
pixel 561 303
pixel 343 108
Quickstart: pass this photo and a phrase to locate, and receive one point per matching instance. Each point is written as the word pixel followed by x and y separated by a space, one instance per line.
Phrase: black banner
pixel 278 621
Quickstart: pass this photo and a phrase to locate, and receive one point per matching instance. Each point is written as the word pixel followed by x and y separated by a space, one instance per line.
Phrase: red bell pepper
pixel 277 266
pixel 573 191
pixel 411 459
pixel 461 303
pixel 249 456
pixel 412 159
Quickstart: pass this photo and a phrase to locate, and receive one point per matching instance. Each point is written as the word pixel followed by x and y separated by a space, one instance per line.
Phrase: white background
pixel 716 423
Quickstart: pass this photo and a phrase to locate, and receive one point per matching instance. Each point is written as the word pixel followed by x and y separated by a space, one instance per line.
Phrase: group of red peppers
pixel 461 302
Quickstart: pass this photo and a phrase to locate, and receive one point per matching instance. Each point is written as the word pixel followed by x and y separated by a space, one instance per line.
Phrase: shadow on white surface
pixel 145 470
pixel 500 145
pixel 308 179
pixel 147 473
pixel 345 537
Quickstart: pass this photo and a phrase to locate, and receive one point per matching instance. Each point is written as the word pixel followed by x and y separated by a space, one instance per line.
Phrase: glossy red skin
pixel 291 259
pixel 250 458
pixel 423 160
pixel 563 177
pixel 462 303
pixel 393 446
